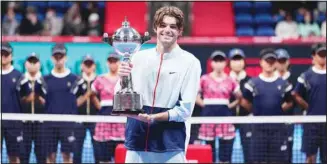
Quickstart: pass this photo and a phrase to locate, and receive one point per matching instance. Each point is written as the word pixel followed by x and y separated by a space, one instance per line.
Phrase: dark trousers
pixel 245 135
pixel 195 127
pixel 225 150
pixel 269 144
pixel 290 131
pixel 80 132
pixel 32 133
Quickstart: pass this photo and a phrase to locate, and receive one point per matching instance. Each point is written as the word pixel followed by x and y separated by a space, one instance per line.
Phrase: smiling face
pixel 168 25
pixel 167 31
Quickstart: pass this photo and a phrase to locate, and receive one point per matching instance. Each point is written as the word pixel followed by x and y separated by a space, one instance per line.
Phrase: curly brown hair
pixel 171 11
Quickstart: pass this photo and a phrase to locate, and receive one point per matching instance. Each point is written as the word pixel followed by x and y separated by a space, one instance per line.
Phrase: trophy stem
pixel 127 84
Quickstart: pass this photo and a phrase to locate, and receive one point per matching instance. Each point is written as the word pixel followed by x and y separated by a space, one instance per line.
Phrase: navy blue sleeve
pixel 40 87
pixel 248 90
pixel 300 87
pixel 23 86
pixel 287 91
pixel 79 87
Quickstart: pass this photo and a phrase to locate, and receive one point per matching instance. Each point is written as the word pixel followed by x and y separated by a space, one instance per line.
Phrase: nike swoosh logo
pixel 171 73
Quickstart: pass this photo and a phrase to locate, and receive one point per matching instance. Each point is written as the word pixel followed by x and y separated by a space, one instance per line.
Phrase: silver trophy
pixel 126 41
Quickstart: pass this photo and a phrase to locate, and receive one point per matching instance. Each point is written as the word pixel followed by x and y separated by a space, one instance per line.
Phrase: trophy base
pixel 127 103
pixel 126 112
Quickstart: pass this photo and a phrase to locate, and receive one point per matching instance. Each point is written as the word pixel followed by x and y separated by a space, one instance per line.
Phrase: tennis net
pixel 242 139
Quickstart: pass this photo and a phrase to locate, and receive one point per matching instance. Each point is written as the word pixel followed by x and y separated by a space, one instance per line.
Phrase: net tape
pixel 192 120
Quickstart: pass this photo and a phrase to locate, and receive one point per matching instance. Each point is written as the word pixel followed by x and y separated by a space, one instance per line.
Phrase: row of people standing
pixel 60 92
pixel 272 93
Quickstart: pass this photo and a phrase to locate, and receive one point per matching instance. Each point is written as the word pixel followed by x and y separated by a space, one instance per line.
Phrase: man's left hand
pixel 143 117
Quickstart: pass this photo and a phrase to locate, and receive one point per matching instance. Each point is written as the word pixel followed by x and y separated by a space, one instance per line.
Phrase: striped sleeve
pixel 23 86
pixel 248 90
pixel 79 87
pixel 300 85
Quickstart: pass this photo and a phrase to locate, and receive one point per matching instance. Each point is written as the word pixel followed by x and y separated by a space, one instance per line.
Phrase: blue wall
pixel 75 53
pixel 100 51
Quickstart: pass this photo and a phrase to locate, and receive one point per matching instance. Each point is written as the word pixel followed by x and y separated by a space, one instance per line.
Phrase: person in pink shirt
pixel 216 89
pixel 109 135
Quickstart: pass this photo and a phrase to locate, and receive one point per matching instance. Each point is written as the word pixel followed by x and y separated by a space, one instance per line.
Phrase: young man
pixel 59 90
pixel 217 88
pixel 237 72
pixel 312 84
pixel 87 106
pixel 283 66
pixel 32 129
pixel 268 95
pixel 14 88
pixel 168 78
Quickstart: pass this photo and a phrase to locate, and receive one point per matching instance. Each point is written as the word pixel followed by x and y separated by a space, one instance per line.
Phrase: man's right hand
pixel 125 69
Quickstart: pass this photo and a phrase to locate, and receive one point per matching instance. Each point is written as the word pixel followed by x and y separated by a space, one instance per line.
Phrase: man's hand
pixel 125 69
pixel 143 117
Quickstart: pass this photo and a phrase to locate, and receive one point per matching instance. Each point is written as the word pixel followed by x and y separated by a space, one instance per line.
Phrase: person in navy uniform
pixel 283 71
pixel 310 94
pixel 237 65
pixel 14 89
pixel 87 105
pixel 32 129
pixel 268 95
pixel 60 88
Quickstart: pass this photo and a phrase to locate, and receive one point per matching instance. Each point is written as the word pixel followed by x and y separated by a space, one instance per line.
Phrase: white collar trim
pixel 314 69
pixel 5 72
pixel 88 78
pixel 239 76
pixel 61 75
pixel 175 50
pixel 285 76
pixel 29 77
pixel 268 79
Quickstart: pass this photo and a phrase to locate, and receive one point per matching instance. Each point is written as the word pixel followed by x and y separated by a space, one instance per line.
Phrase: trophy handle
pixel 107 39
pixel 145 38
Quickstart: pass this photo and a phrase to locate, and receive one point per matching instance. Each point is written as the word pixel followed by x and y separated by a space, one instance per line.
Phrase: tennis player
pixel 168 79
pixel 312 84
pixel 14 88
pixel 268 95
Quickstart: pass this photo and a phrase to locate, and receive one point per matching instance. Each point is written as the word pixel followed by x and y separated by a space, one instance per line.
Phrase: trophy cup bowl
pixel 126 41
